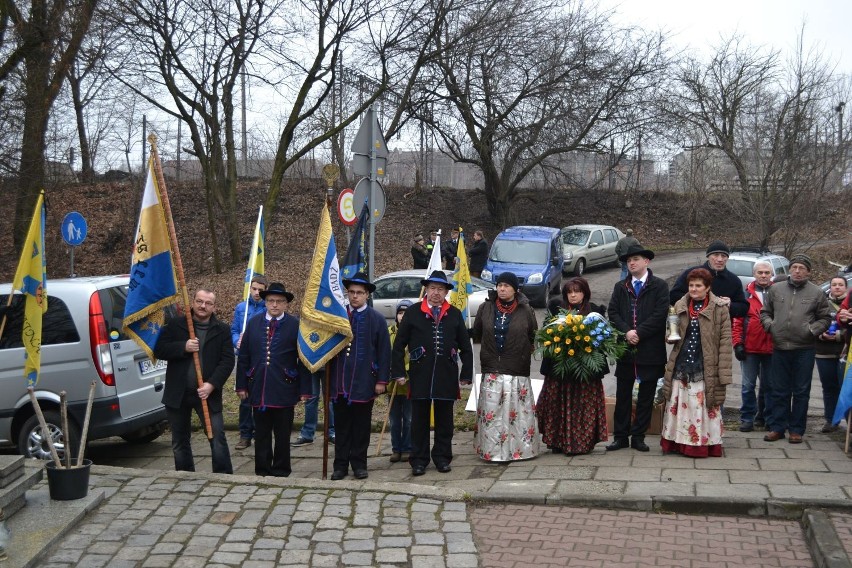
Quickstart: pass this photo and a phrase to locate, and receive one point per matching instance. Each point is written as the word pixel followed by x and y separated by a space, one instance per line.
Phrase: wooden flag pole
pixel 8 303
pixel 385 423
pixel 164 198
pixel 325 421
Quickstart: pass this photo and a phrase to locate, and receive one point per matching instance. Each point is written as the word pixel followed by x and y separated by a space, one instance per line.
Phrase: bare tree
pixel 774 122
pixel 196 51
pixel 47 37
pixel 525 81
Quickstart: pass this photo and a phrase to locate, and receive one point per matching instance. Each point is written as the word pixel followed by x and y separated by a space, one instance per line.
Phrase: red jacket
pixel 748 330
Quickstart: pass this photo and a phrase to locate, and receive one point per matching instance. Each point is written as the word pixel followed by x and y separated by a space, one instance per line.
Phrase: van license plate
pixel 147 366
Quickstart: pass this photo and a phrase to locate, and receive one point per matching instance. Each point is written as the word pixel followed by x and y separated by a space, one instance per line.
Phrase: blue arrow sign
pixel 74 229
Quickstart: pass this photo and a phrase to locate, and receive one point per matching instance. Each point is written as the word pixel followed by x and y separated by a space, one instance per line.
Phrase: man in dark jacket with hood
pixel 726 285
pixel 638 308
pixel 182 394
pixel 253 305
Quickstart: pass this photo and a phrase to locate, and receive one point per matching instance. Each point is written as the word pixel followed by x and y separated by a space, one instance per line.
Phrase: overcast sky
pixel 763 22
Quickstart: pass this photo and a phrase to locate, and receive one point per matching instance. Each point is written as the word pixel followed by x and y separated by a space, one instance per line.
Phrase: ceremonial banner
pixel 31 281
pixel 356 256
pixel 462 287
pixel 324 327
pixel 255 263
pixel 153 286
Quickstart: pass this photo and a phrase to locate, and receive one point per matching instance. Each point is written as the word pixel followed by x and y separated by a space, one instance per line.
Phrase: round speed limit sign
pixel 346 207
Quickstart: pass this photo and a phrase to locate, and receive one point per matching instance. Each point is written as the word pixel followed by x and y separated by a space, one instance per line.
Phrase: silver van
pixel 82 340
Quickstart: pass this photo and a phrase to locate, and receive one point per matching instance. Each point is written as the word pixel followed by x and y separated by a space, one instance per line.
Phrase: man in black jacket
pixel 477 256
pixel 182 394
pixel 638 308
pixel 726 285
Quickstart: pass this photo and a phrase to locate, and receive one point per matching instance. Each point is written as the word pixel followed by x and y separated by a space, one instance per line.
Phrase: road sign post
pixel 370 155
pixel 74 230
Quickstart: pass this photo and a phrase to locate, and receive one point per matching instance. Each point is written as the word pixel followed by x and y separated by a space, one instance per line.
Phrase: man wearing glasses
pixel 182 395
pixel 271 377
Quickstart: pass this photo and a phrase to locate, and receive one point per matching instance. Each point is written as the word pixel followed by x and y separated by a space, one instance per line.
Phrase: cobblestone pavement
pixel 519 536
pixel 163 521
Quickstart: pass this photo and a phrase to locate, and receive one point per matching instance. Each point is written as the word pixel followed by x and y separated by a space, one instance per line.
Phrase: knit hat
pixel 510 279
pixel 628 232
pixel 718 246
pixel 802 259
pixel 403 305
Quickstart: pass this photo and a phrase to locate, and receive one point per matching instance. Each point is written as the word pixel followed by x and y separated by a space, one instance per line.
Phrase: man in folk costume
pixel 436 337
pixel 271 376
pixel 358 374
pixel 638 308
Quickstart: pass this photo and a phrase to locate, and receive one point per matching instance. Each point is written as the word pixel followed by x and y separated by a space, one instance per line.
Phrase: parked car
pixel 587 246
pixel 82 341
pixel 534 255
pixel 405 285
pixel 742 259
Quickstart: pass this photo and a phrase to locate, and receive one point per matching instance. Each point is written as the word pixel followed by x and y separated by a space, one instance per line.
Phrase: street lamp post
pixel 840 146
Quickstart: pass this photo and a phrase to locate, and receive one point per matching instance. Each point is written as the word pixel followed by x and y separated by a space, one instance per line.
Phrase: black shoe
pixel 360 474
pixel 444 468
pixel 617 444
pixel 639 445
pixel 747 427
pixel 418 470
pixel 298 442
pixel 337 475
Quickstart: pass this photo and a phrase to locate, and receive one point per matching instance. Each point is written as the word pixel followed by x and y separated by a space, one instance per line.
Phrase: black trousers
pixel 269 423
pixel 352 425
pixel 644 403
pixel 442 450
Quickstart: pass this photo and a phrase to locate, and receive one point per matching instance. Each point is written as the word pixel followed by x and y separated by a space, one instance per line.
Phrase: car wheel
pixel 144 436
pixel 32 443
pixel 580 268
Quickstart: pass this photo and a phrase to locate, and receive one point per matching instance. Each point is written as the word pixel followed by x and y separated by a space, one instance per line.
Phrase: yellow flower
pixel 582 326
pixel 567 341
pixel 578 319
pixel 561 327
pixel 570 352
pixel 588 349
pixel 549 330
pixel 557 339
pixel 547 343
pixel 587 338
pixel 574 329
pixel 577 338
pixel 557 350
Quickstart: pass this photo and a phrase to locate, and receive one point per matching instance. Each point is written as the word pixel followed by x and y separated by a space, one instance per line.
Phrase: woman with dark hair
pixel 698 372
pixel 571 412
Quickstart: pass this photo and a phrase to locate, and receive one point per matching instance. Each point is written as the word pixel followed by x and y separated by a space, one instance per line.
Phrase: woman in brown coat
pixel 506 428
pixel 698 372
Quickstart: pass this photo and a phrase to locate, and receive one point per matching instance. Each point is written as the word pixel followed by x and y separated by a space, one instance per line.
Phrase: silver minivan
pixel 82 340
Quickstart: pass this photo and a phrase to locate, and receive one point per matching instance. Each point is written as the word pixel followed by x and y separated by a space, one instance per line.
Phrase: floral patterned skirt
pixel 689 427
pixel 506 428
pixel 572 414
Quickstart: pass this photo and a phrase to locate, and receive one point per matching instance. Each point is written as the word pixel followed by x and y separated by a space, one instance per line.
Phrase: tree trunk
pixel 87 173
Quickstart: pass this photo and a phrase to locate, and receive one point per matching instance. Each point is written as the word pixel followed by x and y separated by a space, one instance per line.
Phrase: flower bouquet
pixel 579 345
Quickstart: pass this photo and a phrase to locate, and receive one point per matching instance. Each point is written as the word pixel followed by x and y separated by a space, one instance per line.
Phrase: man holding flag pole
pixel 252 304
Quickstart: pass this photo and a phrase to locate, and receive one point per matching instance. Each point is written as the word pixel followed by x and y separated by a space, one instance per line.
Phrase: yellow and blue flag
pixel 153 285
pixel 844 401
pixel 255 263
pixel 324 328
pixel 462 286
pixel 355 259
pixel 31 280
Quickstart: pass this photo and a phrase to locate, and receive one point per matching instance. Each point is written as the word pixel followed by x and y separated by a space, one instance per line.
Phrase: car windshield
pixel 519 252
pixel 575 236
pixel 741 267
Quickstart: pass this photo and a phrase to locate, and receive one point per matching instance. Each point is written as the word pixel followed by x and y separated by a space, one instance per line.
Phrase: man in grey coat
pixel 794 313
pixel 621 247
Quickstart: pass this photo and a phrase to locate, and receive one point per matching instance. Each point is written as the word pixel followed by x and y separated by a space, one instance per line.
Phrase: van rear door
pixel 139 382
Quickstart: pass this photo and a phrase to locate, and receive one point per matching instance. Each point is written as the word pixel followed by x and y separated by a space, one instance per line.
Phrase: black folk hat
pixel 362 279
pixel 437 277
pixel 633 250
pixel 278 289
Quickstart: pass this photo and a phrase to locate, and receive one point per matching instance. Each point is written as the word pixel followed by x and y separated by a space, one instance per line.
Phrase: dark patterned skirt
pixel 571 414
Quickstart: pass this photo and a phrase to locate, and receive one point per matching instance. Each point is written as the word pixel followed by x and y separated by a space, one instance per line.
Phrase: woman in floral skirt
pixel 571 411
pixel 505 326
pixel 698 372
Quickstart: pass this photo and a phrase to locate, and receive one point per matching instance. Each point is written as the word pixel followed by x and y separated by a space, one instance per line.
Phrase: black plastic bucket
pixel 68 484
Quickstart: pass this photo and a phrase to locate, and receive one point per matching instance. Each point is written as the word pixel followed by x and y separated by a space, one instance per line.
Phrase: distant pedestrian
pixel 698 372
pixel 358 374
pixel 621 247
pixel 450 248
pixel 795 313
pixel 477 256
pixel 182 395
pixel 245 310
pixel 272 377
pixel 419 253
pixel 505 326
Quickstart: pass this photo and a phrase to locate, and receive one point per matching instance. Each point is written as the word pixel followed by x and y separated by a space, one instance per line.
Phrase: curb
pixel 826 547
